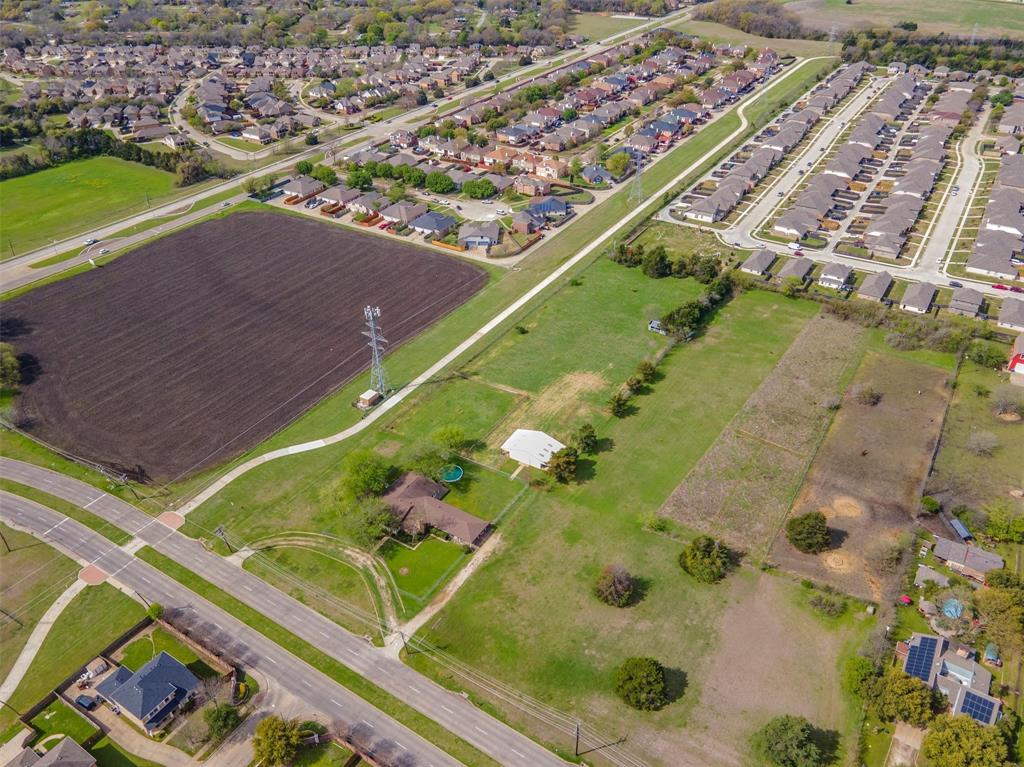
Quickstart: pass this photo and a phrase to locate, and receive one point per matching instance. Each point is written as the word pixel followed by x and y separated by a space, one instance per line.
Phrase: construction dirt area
pixel 743 486
pixel 197 346
pixel 867 477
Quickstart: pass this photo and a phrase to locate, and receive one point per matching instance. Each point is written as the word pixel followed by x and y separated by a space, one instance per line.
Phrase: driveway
pixel 905 746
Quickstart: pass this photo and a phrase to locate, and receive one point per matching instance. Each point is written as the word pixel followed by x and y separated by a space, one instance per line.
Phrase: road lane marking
pixel 415 690
pixel 517 753
pixel 306 682
pixel 401 746
pixel 447 709
pixel 368 724
pixel 479 729
pixel 336 703
pixel 90 503
pixel 271 660
pixel 65 519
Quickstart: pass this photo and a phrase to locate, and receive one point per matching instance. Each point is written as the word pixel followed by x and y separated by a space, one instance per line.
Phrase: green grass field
pixel 32 576
pixel 421 572
pixel 142 650
pixel 57 202
pixel 719 33
pixel 109 754
pixel 967 476
pixel 59 719
pixel 326 755
pixel 94 618
pixel 598 26
pixel 986 18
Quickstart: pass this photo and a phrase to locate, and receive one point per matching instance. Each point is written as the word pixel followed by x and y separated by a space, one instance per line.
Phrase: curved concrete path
pixel 395 399
pixel 35 639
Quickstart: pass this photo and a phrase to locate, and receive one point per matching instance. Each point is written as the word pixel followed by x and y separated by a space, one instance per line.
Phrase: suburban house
pixel 950 667
pixel 525 222
pixel 758 263
pixel 304 187
pixel 1011 314
pixel 966 302
pixel 796 267
pixel 595 174
pixel 1016 364
pixel 918 298
pixel 403 213
pixel 531 187
pixel 479 234
pixel 549 207
pixel 66 753
pixel 432 224
pixel 875 286
pixel 339 195
pixel 415 500
pixel 835 276
pixel 534 448
pixel 970 561
pixel 149 697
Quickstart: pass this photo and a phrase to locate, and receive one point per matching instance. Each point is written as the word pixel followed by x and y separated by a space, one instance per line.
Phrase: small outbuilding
pixel 534 448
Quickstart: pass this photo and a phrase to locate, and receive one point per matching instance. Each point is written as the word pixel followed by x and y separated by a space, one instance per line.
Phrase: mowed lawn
pixel 987 18
pixel 419 572
pixel 140 651
pixel 528 616
pixel 32 576
pixel 94 619
pixel 597 26
pixel 55 203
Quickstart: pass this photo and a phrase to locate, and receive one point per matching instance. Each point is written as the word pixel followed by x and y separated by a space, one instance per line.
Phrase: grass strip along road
pixel 369 668
pixel 593 230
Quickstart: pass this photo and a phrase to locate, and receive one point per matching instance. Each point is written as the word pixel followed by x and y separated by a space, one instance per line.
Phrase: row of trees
pixel 58 147
pixel 655 262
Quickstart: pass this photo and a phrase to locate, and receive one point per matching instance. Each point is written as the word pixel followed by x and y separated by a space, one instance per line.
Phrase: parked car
pixel 1000 286
pixel 1015 289
pixel 793 246
pixel 955 284
pixel 781 194
pixel 798 253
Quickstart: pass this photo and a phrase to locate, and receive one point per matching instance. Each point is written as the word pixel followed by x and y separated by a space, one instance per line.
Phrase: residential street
pixel 448 709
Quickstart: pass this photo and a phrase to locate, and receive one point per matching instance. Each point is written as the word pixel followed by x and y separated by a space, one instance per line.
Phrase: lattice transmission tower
pixel 636 188
pixel 378 378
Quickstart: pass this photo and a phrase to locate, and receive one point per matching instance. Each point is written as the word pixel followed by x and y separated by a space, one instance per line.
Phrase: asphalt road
pixel 451 711
pixel 393 743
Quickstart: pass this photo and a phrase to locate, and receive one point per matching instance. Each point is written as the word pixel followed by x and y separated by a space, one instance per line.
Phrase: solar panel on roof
pixel 978 707
pixel 920 657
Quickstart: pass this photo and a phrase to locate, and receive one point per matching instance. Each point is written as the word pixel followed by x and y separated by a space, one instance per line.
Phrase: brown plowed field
pixel 196 347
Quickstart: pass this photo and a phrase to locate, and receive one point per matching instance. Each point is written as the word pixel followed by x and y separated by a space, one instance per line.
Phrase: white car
pixel 104 251
pixel 90 241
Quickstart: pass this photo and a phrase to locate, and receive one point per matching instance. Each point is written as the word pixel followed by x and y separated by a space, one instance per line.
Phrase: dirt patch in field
pixel 742 487
pixel 559 403
pixel 867 475
pixel 199 345
pixel 746 684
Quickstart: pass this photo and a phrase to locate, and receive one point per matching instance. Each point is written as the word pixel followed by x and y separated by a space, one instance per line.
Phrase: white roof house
pixel 533 448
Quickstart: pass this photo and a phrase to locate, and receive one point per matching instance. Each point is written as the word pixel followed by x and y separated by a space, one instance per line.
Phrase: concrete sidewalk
pixel 35 640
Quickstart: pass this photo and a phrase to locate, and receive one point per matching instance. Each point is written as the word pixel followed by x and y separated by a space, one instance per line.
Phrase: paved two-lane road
pixel 451 711
pixel 389 740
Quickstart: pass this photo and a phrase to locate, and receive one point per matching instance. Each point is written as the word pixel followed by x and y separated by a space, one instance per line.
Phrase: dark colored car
pixel 86 701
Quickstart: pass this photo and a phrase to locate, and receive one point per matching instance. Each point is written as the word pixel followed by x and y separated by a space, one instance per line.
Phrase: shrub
pixel 808 532
pixel 585 439
pixel 614 586
pixel 833 607
pixel 931 505
pixel 562 465
pixel 655 523
pixel 221 719
pixel 619 404
pixel 868 396
pixel 276 741
pixel 982 443
pixel 640 682
pixel 706 559
pixel 646 370
pixel 987 355
pixel 155 611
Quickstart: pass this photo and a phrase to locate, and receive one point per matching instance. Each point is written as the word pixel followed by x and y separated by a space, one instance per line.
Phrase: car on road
pixel 486 202
pixel 90 241
pixel 956 187
pixel 501 211
pixel 104 251
pixel 955 284
pixel 793 246
pixel 1015 289
pixel 800 172
pixel 954 194
pixel 225 204
pixel 798 253
pixel 782 194
pixel 1000 286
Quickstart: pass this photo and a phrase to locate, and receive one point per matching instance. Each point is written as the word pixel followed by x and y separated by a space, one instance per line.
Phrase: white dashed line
pixel 65 519
pixel 367 724
pixel 90 503
pixel 305 682
pixel 272 660
pixel 447 709
pixel 336 703
pixel 517 753
pixel 480 729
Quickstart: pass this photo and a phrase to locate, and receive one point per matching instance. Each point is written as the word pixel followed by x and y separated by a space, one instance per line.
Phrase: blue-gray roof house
pixel 549 206
pixel 433 224
pixel 595 174
pixel 151 695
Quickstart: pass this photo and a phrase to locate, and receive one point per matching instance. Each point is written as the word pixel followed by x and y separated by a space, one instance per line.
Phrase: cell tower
pixel 378 378
pixel 636 189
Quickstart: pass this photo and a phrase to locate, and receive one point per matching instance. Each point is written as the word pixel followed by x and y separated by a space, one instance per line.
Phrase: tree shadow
pixel 641 586
pixel 836 537
pixel 676 683
pixel 827 742
pixel 604 445
pixel 14 327
pixel 586 469
pixel 30 367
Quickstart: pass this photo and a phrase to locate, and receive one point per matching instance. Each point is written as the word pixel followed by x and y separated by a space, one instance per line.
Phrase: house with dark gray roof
pixel 66 753
pixel 966 302
pixel 758 263
pixel 875 286
pixel 918 298
pixel 968 560
pixel 796 267
pixel 1011 314
pixel 433 224
pixel 150 696
pixel 835 276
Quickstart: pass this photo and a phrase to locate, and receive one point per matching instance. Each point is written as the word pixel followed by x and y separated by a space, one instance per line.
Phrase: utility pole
pixel 577 751
pixel 221 533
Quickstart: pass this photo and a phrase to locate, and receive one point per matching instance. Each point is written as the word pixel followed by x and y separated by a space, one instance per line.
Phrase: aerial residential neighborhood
pixel 455 384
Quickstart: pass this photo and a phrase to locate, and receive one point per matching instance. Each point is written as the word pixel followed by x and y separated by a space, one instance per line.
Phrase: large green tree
pixel 900 697
pixel 365 473
pixel 959 741
pixel 276 741
pixel 787 741
pixel 221 719
pixel 640 682
pixel 808 532
pixel 562 465
pixel 614 586
pixel 706 559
